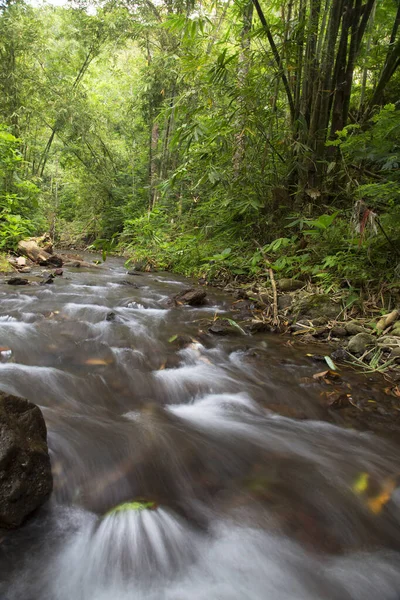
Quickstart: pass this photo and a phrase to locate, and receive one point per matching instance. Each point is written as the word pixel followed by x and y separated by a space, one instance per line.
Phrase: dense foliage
pixel 207 138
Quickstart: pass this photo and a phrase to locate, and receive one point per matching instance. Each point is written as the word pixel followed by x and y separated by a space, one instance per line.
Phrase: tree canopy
pixel 203 137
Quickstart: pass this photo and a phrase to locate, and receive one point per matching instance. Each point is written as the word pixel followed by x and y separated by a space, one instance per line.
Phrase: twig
pixel 275 319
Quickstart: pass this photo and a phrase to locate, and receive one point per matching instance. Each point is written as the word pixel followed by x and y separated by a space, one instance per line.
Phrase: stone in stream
pixel 48 279
pixel 25 472
pixel 130 283
pixel 18 281
pixel 222 327
pixel 190 296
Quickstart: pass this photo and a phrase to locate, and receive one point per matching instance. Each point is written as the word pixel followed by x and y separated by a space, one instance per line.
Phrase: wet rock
pixel 25 270
pixel 319 321
pixel 140 265
pixel 54 261
pixel 289 285
pixel 316 305
pixel 136 273
pixel 307 338
pixel 25 471
pixel 80 263
pixel 18 281
pixel 58 272
pixel 111 316
pixel 395 353
pixel 338 331
pixel 191 296
pixel 181 341
pixel 340 354
pixel 257 327
pixel 222 327
pixel 285 301
pixel 131 283
pixel 360 343
pixel 48 279
pixel 72 263
pixel 388 341
pixel 240 294
pixel 321 332
pixel 243 310
pixel 353 327
pixel 396 329
pixel 317 358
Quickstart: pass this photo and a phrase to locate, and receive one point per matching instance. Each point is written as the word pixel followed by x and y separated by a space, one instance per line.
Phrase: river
pixel 257 490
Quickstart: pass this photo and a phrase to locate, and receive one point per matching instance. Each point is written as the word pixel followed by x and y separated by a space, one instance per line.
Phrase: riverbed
pixel 248 480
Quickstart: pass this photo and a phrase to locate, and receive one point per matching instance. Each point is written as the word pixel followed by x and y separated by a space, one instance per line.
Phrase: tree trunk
pixel 154 135
pixel 243 70
pixel 30 249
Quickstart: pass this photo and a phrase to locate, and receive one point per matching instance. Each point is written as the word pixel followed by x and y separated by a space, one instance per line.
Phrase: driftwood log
pixel 31 249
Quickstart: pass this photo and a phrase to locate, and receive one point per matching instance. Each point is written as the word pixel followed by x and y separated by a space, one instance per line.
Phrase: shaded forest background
pixel 211 138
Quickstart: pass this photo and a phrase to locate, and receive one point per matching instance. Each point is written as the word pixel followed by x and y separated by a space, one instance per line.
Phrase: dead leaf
pixel 325 375
pixel 377 503
pixel 96 361
pixel 321 374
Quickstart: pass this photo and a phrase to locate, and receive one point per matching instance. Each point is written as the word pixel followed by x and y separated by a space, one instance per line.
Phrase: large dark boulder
pixel 25 472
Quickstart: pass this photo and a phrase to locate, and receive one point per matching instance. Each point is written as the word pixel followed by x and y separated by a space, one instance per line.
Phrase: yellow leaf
pixel 96 361
pixel 361 483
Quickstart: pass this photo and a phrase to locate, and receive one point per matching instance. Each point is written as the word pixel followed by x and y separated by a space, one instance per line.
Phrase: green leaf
pixel 136 506
pixel 330 363
pixel 236 325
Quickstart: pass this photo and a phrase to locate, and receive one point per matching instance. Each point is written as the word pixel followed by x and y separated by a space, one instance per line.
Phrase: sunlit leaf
pixel 360 485
pixel 135 506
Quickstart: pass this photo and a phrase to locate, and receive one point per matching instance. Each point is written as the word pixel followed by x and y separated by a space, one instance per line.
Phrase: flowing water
pixel 249 504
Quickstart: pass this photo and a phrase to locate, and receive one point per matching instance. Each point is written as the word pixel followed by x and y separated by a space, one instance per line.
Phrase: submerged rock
pixel 25 472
